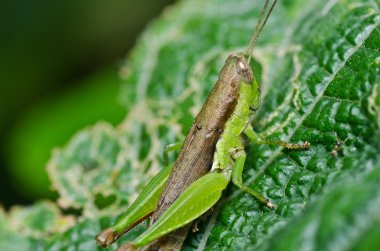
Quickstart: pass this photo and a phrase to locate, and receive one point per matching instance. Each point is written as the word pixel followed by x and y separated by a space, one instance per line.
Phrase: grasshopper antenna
pixel 259 28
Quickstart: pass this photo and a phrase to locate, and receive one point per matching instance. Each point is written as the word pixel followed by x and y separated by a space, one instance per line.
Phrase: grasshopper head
pixel 242 78
pixel 239 65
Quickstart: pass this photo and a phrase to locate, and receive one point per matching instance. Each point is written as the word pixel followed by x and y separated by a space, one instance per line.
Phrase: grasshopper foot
pixel 269 204
pixel 106 237
pixel 303 145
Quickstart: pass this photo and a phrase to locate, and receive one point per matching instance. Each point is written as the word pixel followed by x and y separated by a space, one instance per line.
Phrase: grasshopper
pixel 211 156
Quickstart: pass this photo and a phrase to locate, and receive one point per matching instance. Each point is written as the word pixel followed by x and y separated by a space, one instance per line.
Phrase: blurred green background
pixel 59 63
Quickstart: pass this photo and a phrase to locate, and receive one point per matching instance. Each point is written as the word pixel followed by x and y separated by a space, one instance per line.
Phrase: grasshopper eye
pixel 242 65
pixel 244 71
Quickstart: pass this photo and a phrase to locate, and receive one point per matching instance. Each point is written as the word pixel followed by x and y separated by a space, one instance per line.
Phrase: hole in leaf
pixel 102 201
pixel 72 211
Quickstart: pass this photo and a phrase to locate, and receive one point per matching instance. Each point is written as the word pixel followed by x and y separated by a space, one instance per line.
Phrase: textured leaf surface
pixel 320 73
pixel 59 233
pixel 336 221
pixel 92 170
pixel 29 228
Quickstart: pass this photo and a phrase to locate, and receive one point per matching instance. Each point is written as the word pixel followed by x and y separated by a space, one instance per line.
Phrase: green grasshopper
pixel 211 156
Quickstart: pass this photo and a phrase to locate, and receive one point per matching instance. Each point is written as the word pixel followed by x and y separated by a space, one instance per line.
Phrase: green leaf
pixel 82 236
pixel 93 172
pixel 319 70
pixel 28 228
pixel 42 227
pixel 11 239
pixel 335 221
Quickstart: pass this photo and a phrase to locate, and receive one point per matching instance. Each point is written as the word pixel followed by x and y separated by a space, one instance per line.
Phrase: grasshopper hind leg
pixel 141 209
pixel 198 198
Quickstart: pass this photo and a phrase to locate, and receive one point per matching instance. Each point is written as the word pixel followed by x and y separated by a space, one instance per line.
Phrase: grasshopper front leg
pixel 141 209
pixel 199 197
